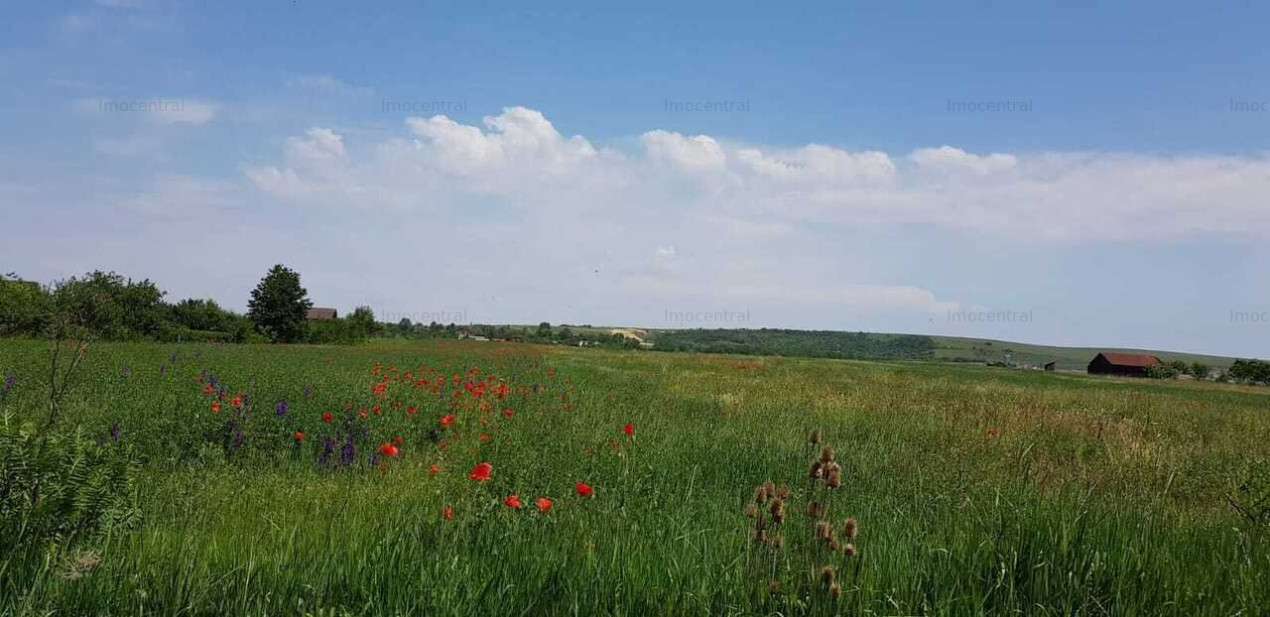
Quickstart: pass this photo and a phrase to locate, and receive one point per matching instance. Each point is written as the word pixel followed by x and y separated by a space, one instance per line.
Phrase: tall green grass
pixel 977 491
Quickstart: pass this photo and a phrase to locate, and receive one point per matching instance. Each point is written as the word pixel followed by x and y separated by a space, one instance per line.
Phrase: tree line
pixel 108 306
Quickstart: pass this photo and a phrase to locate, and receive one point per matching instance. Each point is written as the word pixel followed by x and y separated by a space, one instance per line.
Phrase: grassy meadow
pixel 975 490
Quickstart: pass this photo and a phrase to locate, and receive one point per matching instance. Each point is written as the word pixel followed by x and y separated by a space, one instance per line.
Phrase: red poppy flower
pixel 447 419
pixel 299 436
pixel 484 437
pixel 362 414
pixel 447 513
pixel 216 406
pixel 398 441
pixel 629 429
pixel 513 502
pixel 583 489
pixel 481 472
pixel 237 401
pixel 388 450
pixel 207 389
pixel 412 410
pixel 544 504
pixel 434 470
pixel 328 417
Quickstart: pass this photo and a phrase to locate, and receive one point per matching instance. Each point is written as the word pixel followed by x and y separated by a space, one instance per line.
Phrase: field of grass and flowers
pixel 471 478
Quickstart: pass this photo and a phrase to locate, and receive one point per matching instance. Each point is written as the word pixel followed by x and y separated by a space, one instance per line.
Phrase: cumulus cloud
pixel 1063 197
pixel 810 234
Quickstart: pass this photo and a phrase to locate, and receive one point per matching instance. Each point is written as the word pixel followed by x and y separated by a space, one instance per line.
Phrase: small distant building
pixel 319 314
pixel 1051 366
pixel 1126 364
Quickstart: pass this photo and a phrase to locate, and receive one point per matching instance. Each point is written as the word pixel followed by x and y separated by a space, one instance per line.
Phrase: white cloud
pixel 1054 197
pixel 699 154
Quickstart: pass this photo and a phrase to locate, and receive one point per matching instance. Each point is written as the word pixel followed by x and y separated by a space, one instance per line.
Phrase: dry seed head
pixel 816 470
pixel 826 455
pixel 835 478
pixel 850 550
pixel 851 529
pixel 751 511
pixel 828 575
pixel 769 489
pixel 774 587
pixel 823 530
pixel 814 438
pixel 835 591
pixel 814 509
pixel 783 492
pixel 833 545
pixel 778 511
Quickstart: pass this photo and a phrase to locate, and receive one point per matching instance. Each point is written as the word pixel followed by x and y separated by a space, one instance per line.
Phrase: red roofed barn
pixel 1130 364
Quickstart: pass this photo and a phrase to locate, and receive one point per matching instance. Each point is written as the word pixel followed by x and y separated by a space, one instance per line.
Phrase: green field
pixel 976 491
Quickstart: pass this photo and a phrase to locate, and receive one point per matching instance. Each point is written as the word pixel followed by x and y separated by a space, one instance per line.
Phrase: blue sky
pixel 916 167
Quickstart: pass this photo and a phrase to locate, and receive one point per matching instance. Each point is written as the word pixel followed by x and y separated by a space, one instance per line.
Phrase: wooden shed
pixel 1128 364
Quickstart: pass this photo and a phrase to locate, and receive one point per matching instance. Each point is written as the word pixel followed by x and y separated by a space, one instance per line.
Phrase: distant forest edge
pixel 107 306
pixel 802 343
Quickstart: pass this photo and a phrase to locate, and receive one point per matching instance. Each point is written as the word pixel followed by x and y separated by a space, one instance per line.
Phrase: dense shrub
pixel 57 489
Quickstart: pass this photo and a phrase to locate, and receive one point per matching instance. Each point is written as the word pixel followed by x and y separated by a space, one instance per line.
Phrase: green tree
pixel 279 305
pixel 1199 370
pixel 362 320
pixel 23 306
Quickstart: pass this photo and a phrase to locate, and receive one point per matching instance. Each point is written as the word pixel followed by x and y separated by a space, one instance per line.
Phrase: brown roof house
pixel 321 313
pixel 1129 364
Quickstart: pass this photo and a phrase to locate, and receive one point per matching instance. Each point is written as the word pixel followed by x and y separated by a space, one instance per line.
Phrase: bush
pixel 60 489
pixel 23 306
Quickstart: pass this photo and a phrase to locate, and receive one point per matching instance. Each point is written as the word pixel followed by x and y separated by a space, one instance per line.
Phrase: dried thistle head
pixel 814 438
pixel 774 587
pixel 782 492
pixel 769 489
pixel 751 511
pixel 828 575
pixel 851 529
pixel 777 511
pixel 760 495
pixel 834 480
pixel 835 591
pixel 816 470
pixel 826 455
pixel 823 530
pixel 814 509
pixel 850 550
pixel 833 545
pixel 777 542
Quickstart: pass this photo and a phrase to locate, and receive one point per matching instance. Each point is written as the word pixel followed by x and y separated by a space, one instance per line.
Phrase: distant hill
pixel 885 346
pixel 954 348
